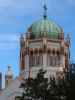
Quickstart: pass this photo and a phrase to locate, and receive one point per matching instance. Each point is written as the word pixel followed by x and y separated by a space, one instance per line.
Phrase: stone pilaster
pixel 44 52
pixel 27 60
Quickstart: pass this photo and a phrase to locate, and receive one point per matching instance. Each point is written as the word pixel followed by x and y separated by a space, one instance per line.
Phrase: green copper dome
pixel 45 27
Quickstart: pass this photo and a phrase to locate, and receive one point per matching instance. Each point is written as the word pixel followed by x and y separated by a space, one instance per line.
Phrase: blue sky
pixel 17 15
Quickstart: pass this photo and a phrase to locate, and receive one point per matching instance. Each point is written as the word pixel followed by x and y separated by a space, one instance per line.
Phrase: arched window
pixel 31 58
pixel 34 60
pixel 58 58
pixel 40 57
pixel 37 59
pixel 48 60
pixel 48 57
pixel 54 60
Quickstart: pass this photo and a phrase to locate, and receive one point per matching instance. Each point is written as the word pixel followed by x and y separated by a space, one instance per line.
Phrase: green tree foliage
pixel 41 88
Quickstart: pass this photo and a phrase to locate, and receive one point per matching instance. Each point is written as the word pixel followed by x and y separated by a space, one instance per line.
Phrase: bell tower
pixel 8 77
pixel 44 46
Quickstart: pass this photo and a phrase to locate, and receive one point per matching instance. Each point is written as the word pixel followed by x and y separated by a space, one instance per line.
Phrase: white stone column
pixel 44 53
pixel 27 69
pixel 44 59
pixel 62 60
pixel 62 54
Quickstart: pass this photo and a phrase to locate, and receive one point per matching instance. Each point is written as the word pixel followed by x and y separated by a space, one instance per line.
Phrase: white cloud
pixel 9 42
pixel 12 37
pixel 19 7
pixel 33 5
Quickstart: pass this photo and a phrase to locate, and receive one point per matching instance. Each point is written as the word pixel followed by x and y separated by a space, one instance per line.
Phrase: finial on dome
pixel 45 10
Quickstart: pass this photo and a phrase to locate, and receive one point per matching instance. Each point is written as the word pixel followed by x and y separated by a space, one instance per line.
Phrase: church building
pixel 43 46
